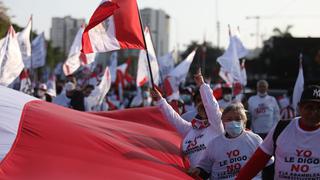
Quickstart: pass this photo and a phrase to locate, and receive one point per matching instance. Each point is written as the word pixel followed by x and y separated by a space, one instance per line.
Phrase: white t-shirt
pixel 264 112
pixel 62 100
pixel 195 141
pixel 297 153
pixel 226 156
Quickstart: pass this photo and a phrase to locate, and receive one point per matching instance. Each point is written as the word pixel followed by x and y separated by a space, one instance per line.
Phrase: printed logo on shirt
pixel 193 145
pixel 316 93
pixel 232 165
pixel 301 166
pixel 261 109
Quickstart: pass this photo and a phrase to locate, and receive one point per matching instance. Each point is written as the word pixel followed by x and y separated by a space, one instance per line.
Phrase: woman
pixel 230 151
pixel 202 129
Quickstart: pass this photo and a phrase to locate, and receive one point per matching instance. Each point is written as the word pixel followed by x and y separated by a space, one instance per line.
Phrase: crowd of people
pixel 221 139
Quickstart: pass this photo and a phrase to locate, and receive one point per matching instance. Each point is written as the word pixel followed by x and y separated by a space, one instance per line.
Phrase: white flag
pixel 25 44
pixel 229 62
pixel 166 64
pixel 243 70
pixel 39 51
pixel 51 84
pixel 113 66
pixel 298 87
pixel 11 63
pixel 73 61
pixel 143 74
pixel 97 96
pixel 181 71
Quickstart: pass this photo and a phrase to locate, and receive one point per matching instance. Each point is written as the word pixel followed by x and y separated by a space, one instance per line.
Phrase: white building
pixel 63 30
pixel 158 23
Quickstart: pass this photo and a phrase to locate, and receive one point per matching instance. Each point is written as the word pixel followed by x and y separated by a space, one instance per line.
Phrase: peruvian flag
pixel 143 74
pixel 25 44
pixel 298 87
pixel 41 140
pixel 11 63
pixel 114 25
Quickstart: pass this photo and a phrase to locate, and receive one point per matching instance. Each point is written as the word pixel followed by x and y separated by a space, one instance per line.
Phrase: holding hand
pixel 155 94
pixel 198 78
pixel 194 172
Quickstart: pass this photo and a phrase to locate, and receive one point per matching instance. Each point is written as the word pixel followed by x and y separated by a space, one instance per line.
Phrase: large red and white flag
pixel 143 74
pixel 41 140
pixel 11 63
pixel 114 25
pixel 39 51
pixel 298 87
pixel 97 96
pixel 25 44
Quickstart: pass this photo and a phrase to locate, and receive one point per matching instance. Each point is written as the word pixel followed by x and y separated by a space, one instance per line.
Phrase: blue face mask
pixel 233 128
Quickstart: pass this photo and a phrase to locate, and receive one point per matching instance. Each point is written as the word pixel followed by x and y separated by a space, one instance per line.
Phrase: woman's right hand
pixel 155 94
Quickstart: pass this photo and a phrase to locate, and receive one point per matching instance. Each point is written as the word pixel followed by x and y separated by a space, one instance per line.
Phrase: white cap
pixel 43 87
pixel 69 86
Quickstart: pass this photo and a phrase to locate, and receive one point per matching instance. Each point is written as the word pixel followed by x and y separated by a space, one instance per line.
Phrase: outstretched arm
pixel 181 125
pixel 210 103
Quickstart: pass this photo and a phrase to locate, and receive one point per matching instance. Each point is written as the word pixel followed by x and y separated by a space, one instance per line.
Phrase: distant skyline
pixel 190 20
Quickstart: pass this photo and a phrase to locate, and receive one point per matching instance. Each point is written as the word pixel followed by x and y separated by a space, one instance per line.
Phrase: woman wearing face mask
pixel 230 151
pixel 202 129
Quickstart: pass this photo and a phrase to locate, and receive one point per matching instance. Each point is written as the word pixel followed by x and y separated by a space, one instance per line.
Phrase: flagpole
pixel 31 36
pixel 146 48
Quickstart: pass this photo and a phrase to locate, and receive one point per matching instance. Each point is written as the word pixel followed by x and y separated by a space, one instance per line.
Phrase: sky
pixel 191 20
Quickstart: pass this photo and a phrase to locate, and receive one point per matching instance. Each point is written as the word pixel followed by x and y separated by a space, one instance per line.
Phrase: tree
pixel 286 33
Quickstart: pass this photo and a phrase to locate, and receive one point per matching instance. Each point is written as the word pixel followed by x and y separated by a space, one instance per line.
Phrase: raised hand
pixel 198 78
pixel 155 94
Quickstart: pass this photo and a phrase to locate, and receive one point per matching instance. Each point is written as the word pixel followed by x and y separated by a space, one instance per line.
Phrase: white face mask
pixel 233 128
pixel 262 94
pixel 40 93
pixel 227 97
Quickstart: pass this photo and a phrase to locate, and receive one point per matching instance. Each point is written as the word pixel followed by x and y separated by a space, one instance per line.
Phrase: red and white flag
pixel 97 96
pixel 25 44
pixel 11 63
pixel 298 87
pixel 114 25
pixel 25 82
pixel 73 61
pixel 41 140
pixel 39 51
pixel 143 74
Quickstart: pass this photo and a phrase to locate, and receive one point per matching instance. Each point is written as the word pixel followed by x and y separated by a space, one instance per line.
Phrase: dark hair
pixel 196 95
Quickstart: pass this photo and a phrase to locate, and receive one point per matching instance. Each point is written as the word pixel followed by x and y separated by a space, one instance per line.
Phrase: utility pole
pixel 217 24
pixel 257 18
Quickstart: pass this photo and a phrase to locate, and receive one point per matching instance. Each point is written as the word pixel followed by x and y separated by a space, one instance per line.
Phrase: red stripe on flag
pixel 127 24
pixel 104 11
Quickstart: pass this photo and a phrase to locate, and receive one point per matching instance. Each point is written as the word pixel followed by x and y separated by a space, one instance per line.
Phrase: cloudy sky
pixel 191 20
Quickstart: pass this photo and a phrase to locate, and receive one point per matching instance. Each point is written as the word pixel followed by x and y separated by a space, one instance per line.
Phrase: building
pixel 158 23
pixel 63 30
